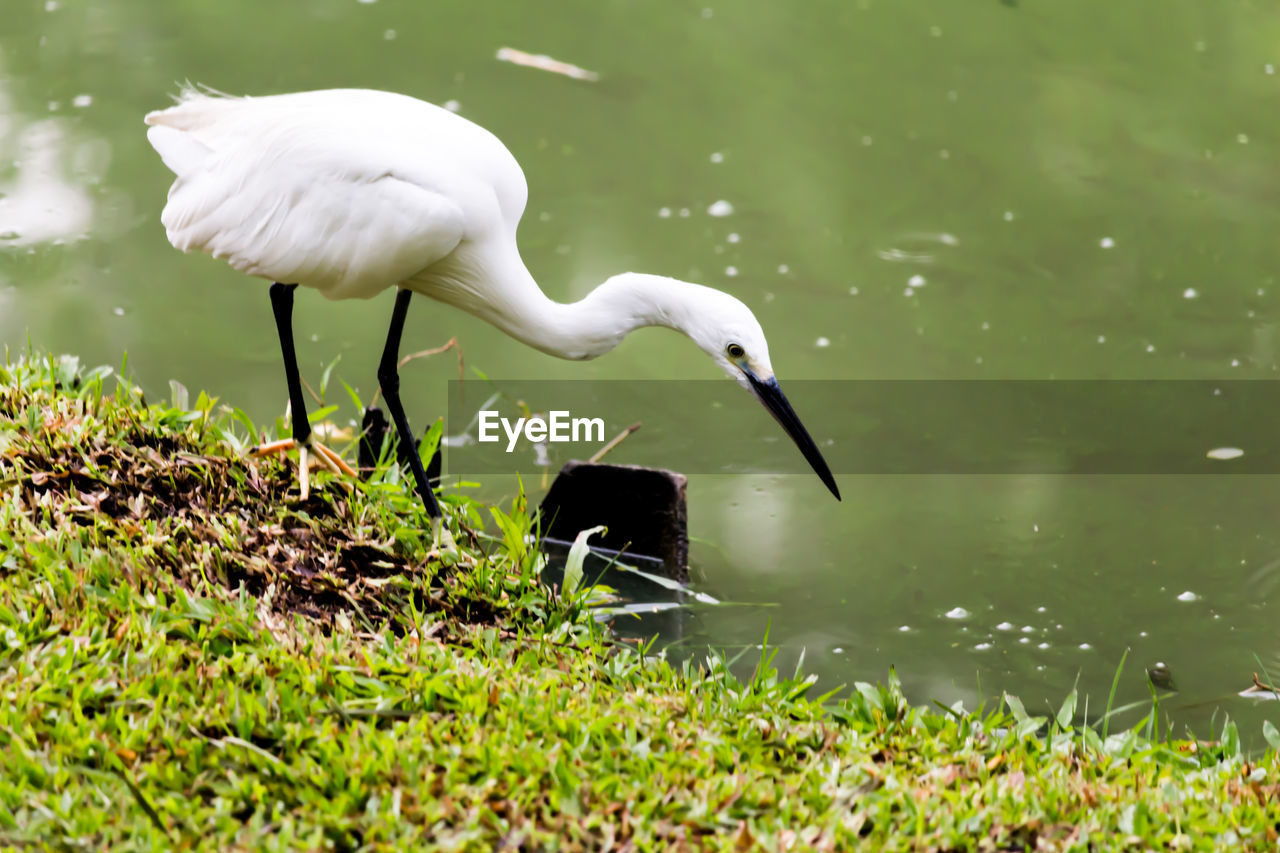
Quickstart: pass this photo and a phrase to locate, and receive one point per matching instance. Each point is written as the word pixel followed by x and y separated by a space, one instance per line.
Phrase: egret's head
pixel 727 331
pixel 719 324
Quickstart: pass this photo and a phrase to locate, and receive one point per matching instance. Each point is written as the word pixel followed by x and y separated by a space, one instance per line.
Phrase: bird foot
pixel 323 455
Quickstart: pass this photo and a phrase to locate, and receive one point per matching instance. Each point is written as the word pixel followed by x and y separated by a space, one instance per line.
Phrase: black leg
pixel 282 307
pixel 389 379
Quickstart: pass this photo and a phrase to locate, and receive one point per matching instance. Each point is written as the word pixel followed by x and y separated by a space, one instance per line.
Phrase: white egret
pixel 353 191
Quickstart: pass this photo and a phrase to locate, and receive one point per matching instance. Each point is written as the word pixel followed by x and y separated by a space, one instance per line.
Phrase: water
pixel 901 190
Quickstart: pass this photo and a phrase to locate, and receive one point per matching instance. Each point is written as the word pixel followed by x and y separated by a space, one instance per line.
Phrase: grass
pixel 192 658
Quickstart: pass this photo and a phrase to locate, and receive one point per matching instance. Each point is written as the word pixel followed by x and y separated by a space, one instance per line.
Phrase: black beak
pixel 776 402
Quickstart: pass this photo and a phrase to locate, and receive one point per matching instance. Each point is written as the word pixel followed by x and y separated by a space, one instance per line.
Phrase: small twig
pixel 337 464
pixel 311 391
pixel 617 439
pixel 451 344
pixel 272 447
pixel 545 63
pixel 1260 686
pixel 323 457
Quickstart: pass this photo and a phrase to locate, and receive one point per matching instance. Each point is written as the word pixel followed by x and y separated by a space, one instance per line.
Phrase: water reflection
pixel 39 204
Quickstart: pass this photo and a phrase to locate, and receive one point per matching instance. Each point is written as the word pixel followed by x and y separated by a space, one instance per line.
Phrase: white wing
pixel 348 191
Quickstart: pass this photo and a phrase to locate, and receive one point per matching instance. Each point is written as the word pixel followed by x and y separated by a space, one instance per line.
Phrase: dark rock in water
pixel 1160 676
pixel 644 509
pixel 374 430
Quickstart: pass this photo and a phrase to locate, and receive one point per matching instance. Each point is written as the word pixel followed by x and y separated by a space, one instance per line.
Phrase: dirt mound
pixel 157 499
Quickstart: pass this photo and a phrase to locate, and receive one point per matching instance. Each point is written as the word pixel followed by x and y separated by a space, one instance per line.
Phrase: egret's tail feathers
pixel 181 152
pixel 196 108
pixel 194 91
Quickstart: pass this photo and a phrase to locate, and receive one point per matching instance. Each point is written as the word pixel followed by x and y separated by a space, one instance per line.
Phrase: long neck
pixel 499 289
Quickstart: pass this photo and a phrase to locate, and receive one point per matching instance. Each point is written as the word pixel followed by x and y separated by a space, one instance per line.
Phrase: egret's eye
pixel 735 351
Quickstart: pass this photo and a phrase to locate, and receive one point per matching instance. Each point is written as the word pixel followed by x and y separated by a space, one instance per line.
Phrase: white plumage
pixel 352 191
pixel 348 191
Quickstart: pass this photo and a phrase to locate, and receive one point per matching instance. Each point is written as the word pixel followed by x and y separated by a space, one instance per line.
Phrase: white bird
pixel 353 191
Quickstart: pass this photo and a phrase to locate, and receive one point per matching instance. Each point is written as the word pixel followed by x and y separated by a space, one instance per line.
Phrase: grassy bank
pixel 191 657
